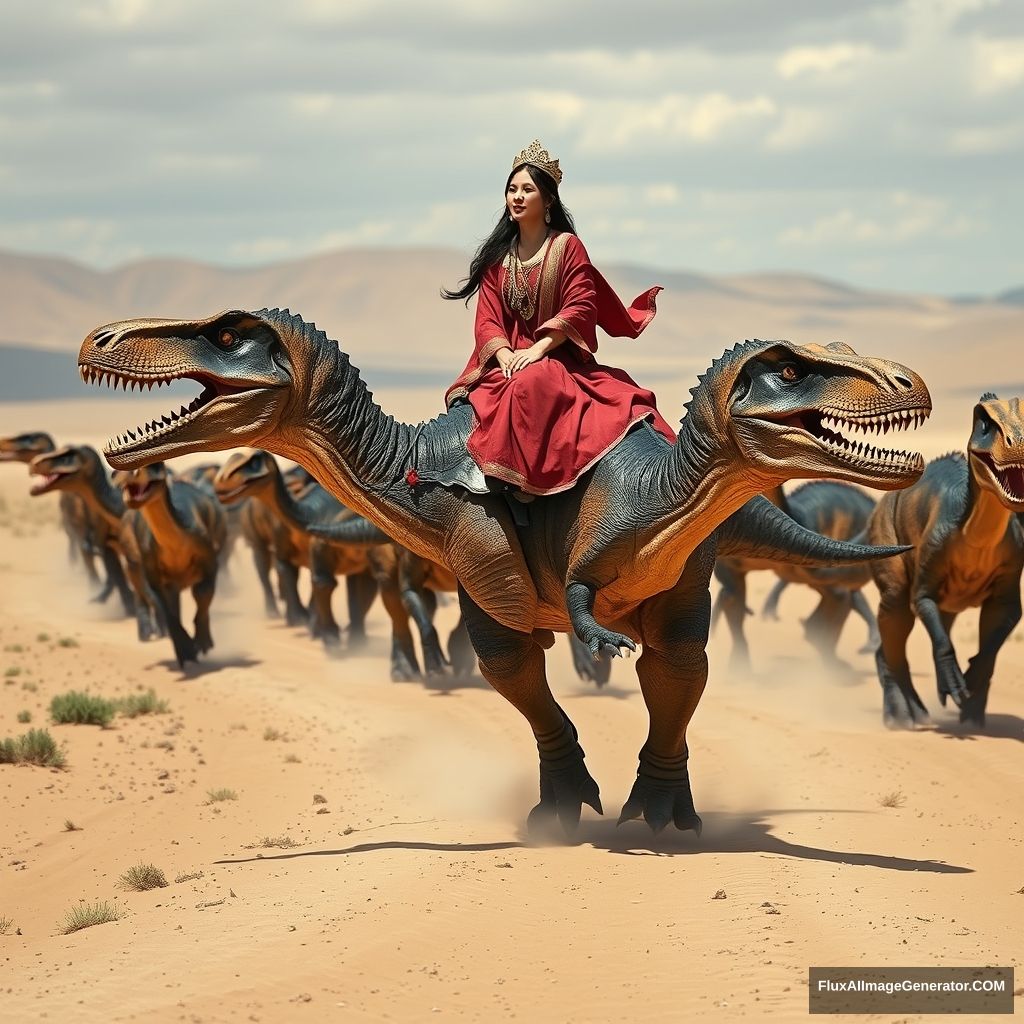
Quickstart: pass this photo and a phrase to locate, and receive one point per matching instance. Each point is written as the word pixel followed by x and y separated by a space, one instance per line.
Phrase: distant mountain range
pixel 383 307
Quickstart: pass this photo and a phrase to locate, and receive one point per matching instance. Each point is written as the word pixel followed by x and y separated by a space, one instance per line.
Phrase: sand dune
pixel 412 890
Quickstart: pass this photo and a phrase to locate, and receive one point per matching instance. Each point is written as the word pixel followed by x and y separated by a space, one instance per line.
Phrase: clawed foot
pixel 402 669
pixel 902 711
pixel 565 785
pixel 185 651
pixel 660 799
pixel 951 683
pixel 603 642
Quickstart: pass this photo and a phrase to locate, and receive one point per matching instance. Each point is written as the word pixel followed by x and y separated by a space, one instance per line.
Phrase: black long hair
pixel 495 246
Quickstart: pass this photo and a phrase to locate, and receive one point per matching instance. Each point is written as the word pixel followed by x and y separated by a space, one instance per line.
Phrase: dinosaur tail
pixel 760 530
pixel 355 530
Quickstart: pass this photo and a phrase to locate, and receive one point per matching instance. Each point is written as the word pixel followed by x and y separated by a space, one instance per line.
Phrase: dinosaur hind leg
pixel 513 663
pixel 859 604
pixel 673 670
pixel 731 602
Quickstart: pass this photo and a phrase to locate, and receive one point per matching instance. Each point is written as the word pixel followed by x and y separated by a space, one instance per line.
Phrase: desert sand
pixel 412 891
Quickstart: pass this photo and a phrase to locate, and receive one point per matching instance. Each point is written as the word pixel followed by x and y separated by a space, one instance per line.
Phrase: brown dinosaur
pixel 202 475
pixel 75 518
pixel 280 521
pixel 78 470
pixel 968 552
pixel 625 556
pixel 171 537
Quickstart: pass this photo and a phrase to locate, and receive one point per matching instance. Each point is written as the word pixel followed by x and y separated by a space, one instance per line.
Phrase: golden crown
pixel 537 156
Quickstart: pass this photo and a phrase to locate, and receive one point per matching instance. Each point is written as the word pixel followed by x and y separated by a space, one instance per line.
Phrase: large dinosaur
pixel 834 510
pixel 75 518
pixel 171 537
pixel 968 551
pixel 78 470
pixel 626 554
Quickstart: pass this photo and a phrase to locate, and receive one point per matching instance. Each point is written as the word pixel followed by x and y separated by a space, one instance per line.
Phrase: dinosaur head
pixel 70 468
pixel 245 474
pixel 996 449
pixel 25 447
pixel 298 480
pixel 803 411
pixel 252 370
pixel 201 475
pixel 141 486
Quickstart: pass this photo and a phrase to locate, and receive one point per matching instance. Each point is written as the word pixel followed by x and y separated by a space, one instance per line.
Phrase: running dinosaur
pixel 78 470
pixel 968 552
pixel 171 537
pixel 625 556
pixel 74 513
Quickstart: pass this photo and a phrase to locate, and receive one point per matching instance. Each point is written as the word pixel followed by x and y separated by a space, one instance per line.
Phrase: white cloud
pixel 622 125
pixel 903 218
pixel 820 60
pixel 998 138
pixel 661 194
pixel 998 65
pixel 798 127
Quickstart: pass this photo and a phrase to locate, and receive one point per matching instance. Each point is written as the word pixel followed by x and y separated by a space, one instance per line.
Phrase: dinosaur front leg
pixel 579 601
pixel 859 604
pixel 116 580
pixel 513 663
pixel 460 650
pixel 421 604
pixel 901 706
pixel 948 677
pixel 169 602
pixel 322 624
pixel 405 666
pixel 203 593
pixel 999 617
pixel 731 601
pixel 261 560
pixel 295 613
pixel 673 671
pixel 825 624
pixel 770 609
pixel 361 589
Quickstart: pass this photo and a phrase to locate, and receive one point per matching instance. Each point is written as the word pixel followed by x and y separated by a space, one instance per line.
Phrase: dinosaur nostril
pixel 904 381
pixel 100 338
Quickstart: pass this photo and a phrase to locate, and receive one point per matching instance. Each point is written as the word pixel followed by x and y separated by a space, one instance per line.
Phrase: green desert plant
pixel 268 842
pixel 217 795
pixel 37 746
pixel 893 799
pixel 70 826
pixel 85 915
pixel 142 877
pixel 30 686
pixel 82 709
pixel 190 877
pixel 12 672
pixel 270 733
pixel 67 641
pixel 42 637
pixel 24 717
pixel 147 703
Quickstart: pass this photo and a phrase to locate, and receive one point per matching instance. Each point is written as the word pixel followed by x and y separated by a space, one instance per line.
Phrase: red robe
pixel 546 425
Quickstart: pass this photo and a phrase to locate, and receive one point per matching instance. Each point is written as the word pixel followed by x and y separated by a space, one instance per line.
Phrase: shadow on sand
pixel 723 833
pixel 206 667
pixel 997 727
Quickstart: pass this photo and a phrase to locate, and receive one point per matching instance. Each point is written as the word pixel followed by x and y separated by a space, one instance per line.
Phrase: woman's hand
pixel 504 357
pixel 521 359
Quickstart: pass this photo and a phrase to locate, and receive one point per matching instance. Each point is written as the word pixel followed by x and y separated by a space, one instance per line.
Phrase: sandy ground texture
pixel 402 886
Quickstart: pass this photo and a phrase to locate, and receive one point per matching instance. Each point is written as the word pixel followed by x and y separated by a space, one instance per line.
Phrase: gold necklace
pixel 518 293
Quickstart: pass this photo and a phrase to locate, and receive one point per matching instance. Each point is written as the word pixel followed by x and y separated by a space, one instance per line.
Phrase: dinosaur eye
pixel 985 423
pixel 791 372
pixel 227 338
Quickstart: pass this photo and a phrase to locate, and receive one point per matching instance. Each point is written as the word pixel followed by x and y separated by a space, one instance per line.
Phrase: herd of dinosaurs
pixel 620 561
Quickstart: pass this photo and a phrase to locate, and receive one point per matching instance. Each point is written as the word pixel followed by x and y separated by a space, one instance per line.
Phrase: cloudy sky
pixel 879 142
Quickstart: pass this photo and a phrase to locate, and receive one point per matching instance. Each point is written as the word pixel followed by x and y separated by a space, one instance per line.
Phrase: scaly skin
pixel 202 476
pixel 172 535
pixel 968 552
pixel 626 556
pixel 834 510
pixel 77 470
pixel 74 513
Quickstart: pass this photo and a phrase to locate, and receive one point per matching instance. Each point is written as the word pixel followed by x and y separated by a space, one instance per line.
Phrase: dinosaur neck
pixel 293 513
pixel 987 517
pixel 103 498
pixel 347 442
pixel 164 522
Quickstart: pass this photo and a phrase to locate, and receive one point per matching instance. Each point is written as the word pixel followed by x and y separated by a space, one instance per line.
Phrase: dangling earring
pixel 547 216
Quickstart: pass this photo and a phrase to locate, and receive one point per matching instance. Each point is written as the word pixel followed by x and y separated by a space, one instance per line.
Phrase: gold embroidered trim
pixel 560 324
pixel 549 272
pixel 482 359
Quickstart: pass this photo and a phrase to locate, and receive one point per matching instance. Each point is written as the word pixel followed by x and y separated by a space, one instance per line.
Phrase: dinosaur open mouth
pixel 140 492
pixel 229 495
pixel 844 436
pixel 44 484
pixel 154 429
pixel 1009 477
